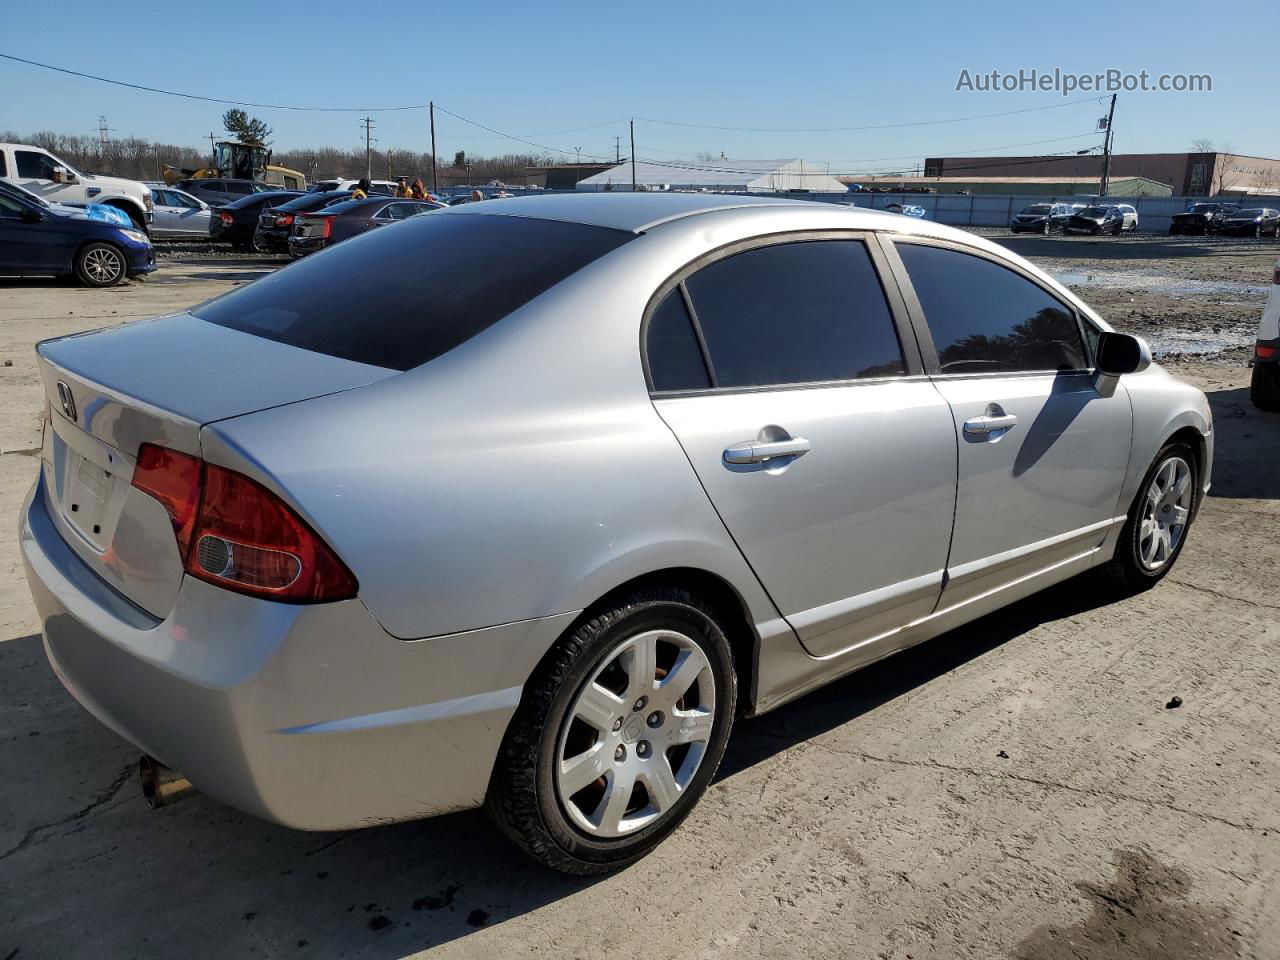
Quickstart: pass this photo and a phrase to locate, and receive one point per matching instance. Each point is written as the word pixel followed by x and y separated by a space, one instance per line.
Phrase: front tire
pixel 1264 387
pixel 1158 522
pixel 101 265
pixel 618 734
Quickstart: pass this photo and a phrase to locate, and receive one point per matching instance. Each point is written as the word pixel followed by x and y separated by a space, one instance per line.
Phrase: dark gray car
pixel 333 224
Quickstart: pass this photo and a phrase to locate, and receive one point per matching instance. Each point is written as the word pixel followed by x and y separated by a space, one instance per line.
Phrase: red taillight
pixel 237 534
pixel 1264 353
pixel 326 227
pixel 226 218
pixel 174 479
pixel 284 220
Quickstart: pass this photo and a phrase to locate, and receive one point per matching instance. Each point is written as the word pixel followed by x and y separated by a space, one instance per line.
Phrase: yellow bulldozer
pixel 243 161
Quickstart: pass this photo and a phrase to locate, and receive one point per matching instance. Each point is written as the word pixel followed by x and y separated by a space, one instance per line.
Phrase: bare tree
pixel 1203 145
pixel 1228 171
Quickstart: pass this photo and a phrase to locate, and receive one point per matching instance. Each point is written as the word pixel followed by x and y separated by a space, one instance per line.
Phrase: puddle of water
pixel 1154 283
pixel 1192 341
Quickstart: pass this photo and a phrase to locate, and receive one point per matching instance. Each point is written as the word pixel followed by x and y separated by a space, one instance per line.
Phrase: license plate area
pixel 90 480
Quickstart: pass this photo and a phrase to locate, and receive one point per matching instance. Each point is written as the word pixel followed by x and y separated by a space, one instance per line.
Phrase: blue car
pixel 38 238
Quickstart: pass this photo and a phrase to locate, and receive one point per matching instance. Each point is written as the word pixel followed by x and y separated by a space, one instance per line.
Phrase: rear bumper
pixel 301 246
pixel 309 716
pixel 270 238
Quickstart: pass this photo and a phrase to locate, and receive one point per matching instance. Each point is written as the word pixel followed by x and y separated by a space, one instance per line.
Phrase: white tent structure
pixel 734 176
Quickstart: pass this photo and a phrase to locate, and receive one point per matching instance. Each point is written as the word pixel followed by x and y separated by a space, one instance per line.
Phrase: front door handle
pixel 990 424
pixel 758 451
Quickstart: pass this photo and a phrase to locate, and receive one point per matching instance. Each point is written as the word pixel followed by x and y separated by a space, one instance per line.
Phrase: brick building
pixel 1189 174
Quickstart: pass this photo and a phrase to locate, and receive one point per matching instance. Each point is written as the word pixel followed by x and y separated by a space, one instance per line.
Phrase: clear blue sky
pixel 532 71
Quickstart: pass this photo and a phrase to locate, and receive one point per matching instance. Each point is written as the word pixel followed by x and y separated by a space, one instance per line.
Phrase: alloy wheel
pixel 104 265
pixel 1165 513
pixel 636 734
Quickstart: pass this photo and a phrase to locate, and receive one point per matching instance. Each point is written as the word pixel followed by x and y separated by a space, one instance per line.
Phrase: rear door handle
pixel 758 451
pixel 982 425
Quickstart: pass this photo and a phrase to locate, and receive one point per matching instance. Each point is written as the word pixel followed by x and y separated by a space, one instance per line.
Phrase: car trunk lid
pixel 157 382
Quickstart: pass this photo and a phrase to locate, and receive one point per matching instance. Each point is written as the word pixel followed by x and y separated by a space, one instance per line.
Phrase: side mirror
pixel 31 216
pixel 1120 353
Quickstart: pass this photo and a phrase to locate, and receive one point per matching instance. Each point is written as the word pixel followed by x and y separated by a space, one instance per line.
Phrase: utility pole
pixel 617 150
pixel 1106 149
pixel 213 149
pixel 633 155
pixel 435 179
pixel 104 132
pixel 368 147
pixel 578 152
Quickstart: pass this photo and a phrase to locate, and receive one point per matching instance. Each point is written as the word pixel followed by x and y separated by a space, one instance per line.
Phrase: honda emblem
pixel 67 400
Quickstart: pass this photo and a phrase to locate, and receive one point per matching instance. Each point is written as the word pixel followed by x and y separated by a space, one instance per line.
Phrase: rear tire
pixel 581 705
pixel 1151 540
pixel 1264 387
pixel 101 265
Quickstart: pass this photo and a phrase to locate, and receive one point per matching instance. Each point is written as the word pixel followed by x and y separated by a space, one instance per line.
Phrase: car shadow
pixel 1246 441
pixel 859 693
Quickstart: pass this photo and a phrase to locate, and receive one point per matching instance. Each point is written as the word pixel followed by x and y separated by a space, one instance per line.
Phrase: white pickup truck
pixel 57 181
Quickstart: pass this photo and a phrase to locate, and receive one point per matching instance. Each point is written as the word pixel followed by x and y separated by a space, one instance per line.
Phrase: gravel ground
pixel 1017 788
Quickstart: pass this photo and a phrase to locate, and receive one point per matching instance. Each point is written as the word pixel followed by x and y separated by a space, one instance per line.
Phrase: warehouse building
pixel 1016 186
pixel 1189 174
pixel 727 176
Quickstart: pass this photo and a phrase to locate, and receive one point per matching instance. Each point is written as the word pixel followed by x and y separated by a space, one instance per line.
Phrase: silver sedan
pixel 531 510
pixel 178 214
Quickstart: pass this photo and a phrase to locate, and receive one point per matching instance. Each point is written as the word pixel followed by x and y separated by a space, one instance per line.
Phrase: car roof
pixel 634 212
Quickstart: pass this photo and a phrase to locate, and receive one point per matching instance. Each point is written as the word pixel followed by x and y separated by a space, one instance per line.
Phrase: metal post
pixel 435 177
pixel 633 156
pixel 368 148
pixel 1106 149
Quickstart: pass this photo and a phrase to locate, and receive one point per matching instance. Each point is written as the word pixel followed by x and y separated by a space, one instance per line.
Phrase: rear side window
pixel 675 359
pixel 803 312
pixel 4 172
pixel 398 298
pixel 238 187
pixel 985 318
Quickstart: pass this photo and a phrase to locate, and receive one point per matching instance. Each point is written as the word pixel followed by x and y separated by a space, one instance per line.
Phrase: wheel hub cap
pixel 1166 511
pixel 636 734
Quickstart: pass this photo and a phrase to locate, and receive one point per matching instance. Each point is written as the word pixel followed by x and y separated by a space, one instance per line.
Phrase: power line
pixel 194 96
pixel 874 126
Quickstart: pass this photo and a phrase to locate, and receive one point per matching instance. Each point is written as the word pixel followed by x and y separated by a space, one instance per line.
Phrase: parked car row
pixel 1076 217
pixel 1228 219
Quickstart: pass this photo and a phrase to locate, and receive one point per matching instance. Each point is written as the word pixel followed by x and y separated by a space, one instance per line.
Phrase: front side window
pixel 805 312
pixel 35 166
pixel 985 318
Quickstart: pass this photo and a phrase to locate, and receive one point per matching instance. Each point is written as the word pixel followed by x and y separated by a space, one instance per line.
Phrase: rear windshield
pixel 1038 208
pixel 311 201
pixel 1251 213
pixel 258 199
pixel 405 294
pixel 346 206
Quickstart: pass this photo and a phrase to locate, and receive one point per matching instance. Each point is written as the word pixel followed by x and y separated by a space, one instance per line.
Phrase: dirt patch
pixel 1147 911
